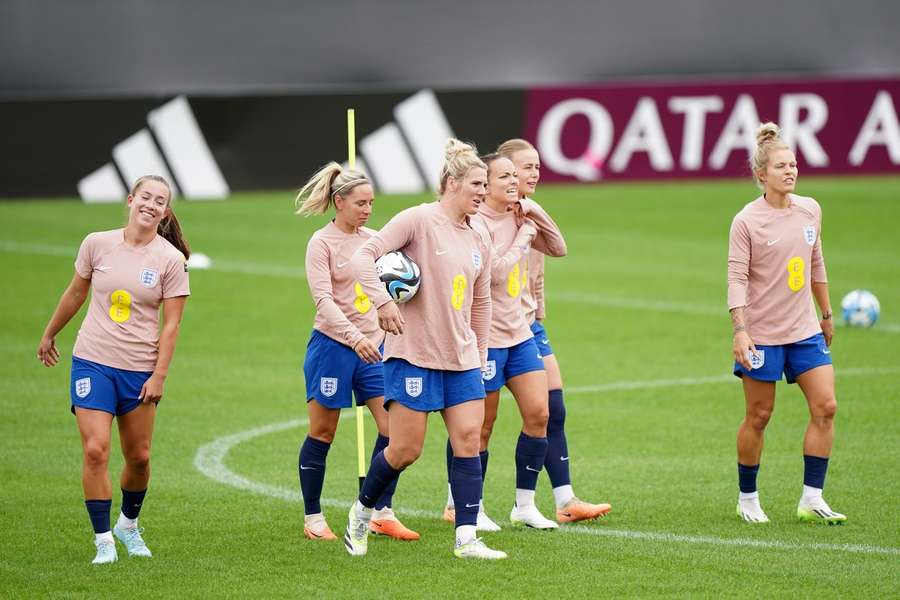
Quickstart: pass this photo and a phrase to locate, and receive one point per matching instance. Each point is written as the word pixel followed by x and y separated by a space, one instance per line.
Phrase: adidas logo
pixel 405 156
pixel 171 145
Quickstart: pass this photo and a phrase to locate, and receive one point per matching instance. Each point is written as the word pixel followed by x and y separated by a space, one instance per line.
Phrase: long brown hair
pixel 169 228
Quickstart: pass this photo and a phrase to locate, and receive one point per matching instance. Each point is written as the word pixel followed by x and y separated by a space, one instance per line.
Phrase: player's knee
pixel 401 456
pixel 537 419
pixel 139 460
pixel 322 434
pixel 469 442
pixel 96 454
pixel 825 410
pixel 759 418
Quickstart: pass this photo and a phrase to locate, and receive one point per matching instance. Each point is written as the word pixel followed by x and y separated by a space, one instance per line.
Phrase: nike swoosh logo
pixel 440 252
pixel 103 268
pixel 545 340
pixel 528 468
pixel 772 242
pixel 472 505
pixel 343 264
pixel 563 458
pixel 826 351
pixel 302 468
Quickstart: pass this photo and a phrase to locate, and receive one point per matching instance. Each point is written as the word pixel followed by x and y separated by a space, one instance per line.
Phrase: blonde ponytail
pixel 459 157
pixel 330 181
pixel 510 147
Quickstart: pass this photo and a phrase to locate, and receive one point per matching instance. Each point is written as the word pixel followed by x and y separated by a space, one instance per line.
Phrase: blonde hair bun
pixel 767 132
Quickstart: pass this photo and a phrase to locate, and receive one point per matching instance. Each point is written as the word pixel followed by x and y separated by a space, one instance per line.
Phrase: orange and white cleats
pixel 449 514
pixel 579 510
pixel 384 522
pixel 315 528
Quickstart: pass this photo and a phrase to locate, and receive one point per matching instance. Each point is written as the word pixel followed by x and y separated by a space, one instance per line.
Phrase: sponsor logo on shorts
pixel 83 387
pixel 757 360
pixel 476 258
pixel 149 277
pixel 809 234
pixel 413 386
pixel 490 369
pixel 328 386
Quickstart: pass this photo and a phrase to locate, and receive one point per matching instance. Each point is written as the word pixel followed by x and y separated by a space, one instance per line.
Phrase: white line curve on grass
pixel 210 461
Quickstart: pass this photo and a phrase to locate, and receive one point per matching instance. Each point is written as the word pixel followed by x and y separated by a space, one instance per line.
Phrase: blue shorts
pixel 333 370
pixel 541 338
pixel 427 390
pixel 99 387
pixel 790 359
pixel 505 363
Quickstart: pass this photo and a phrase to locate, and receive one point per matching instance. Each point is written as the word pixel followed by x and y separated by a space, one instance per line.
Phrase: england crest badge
pixel 328 386
pixel 149 277
pixel 809 234
pixel 490 369
pixel 757 360
pixel 413 386
pixel 83 387
pixel 476 258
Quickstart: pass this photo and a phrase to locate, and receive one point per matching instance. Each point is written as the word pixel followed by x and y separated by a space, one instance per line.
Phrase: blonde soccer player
pixel 775 271
pixel 343 357
pixel 569 508
pixel 513 358
pixel 121 358
pixel 436 344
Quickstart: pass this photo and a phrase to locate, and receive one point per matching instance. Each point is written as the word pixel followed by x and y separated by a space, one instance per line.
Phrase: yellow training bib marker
pixel 120 309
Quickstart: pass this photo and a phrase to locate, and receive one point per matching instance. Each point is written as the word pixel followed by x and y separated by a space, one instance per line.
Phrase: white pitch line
pixel 293 272
pixel 210 461
pixel 691 381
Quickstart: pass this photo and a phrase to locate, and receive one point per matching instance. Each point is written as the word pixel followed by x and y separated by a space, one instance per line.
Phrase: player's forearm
pixel 820 293
pixel 167 338
pixel 737 319
pixel 69 305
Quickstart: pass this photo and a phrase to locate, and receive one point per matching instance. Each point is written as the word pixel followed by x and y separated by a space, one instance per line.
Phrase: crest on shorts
pixel 489 370
pixel 328 386
pixel 414 386
pixel 757 360
pixel 149 277
pixel 83 387
pixel 809 234
pixel 476 258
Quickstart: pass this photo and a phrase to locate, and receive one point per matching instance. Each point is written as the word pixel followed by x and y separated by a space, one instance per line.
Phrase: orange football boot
pixel 384 522
pixel 316 528
pixel 579 510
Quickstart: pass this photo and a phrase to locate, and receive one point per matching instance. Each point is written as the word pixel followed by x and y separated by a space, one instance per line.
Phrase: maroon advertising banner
pixel 665 131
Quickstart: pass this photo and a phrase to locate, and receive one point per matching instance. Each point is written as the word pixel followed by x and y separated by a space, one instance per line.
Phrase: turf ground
pixel 636 316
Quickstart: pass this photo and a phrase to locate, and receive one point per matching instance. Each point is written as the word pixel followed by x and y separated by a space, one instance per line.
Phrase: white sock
pixel 125 523
pixel 465 534
pixel 308 518
pixel 362 512
pixel 105 536
pixel 810 494
pixel 524 497
pixel 450 503
pixel 562 495
pixel 481 506
pixel 748 496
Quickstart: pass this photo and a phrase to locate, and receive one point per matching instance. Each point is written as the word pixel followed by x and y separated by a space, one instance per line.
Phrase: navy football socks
pixel 747 478
pixel 131 503
pixel 98 511
pixel 311 466
pixel 381 475
pixel 530 456
pixel 814 469
pixel 386 499
pixel 557 461
pixel 466 486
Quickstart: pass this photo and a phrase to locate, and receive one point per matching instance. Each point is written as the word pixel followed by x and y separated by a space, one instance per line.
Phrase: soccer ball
pixel 400 274
pixel 860 308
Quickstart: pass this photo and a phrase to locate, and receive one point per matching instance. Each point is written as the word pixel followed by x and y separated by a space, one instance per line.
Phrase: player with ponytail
pixel 122 356
pixel 775 270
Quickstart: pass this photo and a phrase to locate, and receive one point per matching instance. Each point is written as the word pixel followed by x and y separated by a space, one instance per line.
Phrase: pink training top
pixel 343 311
pixel 448 321
pixel 773 256
pixel 128 284
pixel 549 238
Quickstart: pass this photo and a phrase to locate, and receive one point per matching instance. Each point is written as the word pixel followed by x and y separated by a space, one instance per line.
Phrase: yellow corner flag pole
pixel 360 423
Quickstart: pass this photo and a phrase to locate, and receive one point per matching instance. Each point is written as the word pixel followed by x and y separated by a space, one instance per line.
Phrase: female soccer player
pixel 775 269
pixel 569 508
pixel 121 357
pixel 343 355
pixel 513 358
pixel 438 346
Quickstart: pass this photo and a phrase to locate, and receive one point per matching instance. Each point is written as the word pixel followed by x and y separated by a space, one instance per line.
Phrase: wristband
pixel 739 328
pixel 827 315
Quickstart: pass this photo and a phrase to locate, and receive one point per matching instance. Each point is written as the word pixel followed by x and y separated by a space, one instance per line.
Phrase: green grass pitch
pixel 637 318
